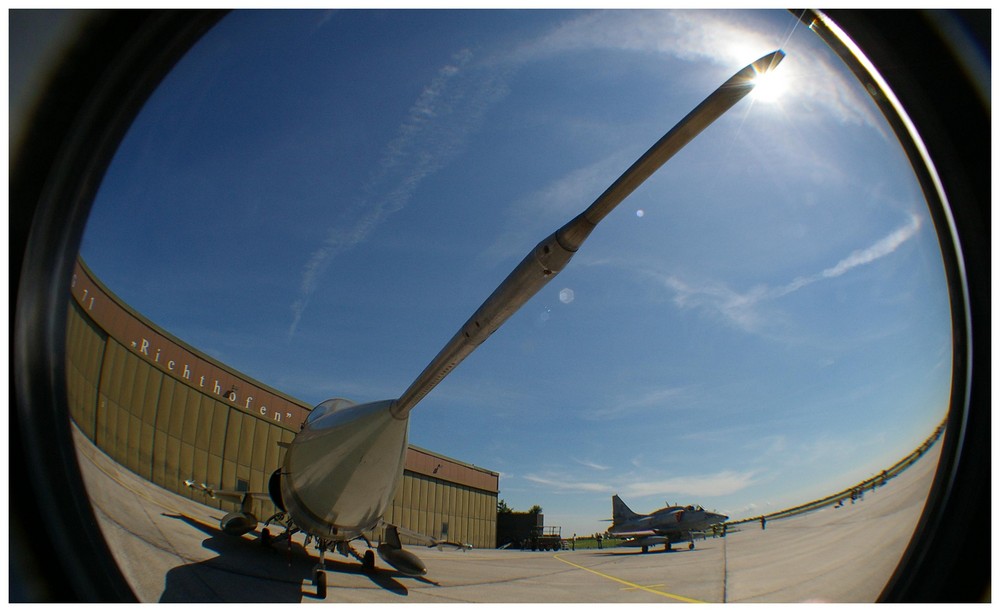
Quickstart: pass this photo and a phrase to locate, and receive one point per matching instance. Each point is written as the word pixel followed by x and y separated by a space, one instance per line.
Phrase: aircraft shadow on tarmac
pixel 246 572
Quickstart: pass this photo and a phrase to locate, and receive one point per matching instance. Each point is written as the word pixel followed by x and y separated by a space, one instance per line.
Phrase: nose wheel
pixel 319 579
pixel 319 572
pixel 344 548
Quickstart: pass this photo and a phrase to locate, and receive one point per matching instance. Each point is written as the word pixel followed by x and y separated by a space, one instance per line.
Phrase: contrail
pixel 436 128
pixel 880 249
pixel 738 307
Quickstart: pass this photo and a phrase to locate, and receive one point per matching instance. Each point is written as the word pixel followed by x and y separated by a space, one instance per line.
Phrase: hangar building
pixel 168 412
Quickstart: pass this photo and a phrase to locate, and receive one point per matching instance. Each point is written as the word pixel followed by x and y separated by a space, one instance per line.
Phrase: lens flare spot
pixel 566 296
pixel 543 318
pixel 640 213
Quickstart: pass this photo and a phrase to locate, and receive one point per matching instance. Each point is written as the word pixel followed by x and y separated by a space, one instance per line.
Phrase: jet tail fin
pixel 621 513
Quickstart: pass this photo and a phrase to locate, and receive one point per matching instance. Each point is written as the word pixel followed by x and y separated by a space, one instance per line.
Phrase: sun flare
pixel 769 86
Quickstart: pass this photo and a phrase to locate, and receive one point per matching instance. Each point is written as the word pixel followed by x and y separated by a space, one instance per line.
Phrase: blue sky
pixel 320 199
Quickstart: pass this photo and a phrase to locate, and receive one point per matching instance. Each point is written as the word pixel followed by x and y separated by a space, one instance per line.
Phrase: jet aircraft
pixel 341 470
pixel 664 526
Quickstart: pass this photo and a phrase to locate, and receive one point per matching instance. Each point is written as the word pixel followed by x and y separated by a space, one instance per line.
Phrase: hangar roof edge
pixel 166 334
pixel 453 460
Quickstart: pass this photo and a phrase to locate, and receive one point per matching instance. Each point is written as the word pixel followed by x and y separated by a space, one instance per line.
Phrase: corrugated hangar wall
pixel 169 413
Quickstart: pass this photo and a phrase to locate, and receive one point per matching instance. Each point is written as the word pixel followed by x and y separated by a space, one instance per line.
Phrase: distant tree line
pixel 503 508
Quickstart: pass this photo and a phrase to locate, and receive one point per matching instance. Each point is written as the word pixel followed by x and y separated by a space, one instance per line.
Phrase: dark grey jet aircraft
pixel 664 526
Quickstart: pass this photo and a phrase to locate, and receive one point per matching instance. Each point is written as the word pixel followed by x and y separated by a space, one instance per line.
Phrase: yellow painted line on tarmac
pixel 648 586
pixel 631 584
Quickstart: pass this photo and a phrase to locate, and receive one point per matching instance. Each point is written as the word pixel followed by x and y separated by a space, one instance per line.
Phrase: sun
pixel 770 86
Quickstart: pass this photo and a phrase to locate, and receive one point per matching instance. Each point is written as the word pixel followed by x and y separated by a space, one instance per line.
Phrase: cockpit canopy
pixel 330 406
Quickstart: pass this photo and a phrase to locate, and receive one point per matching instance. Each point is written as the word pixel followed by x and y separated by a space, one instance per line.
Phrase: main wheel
pixel 265 537
pixel 691 546
pixel 319 579
pixel 369 561
pixel 645 549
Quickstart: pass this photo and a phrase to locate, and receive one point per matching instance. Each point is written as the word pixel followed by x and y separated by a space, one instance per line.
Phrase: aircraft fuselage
pixel 665 525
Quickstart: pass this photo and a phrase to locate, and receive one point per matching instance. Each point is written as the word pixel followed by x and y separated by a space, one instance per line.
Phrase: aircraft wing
pixel 227 495
pixel 637 534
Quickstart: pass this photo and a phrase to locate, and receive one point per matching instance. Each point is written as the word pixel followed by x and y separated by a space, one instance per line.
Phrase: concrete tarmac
pixel 170 549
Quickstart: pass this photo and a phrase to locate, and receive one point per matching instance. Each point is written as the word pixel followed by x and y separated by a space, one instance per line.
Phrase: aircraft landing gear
pixel 645 549
pixel 319 572
pixel 667 547
pixel 367 560
pixel 319 579
pixel 691 546
pixel 280 519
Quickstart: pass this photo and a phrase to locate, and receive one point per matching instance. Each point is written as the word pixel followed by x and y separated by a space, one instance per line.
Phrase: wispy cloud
pixel 565 485
pixel 543 210
pixel 691 35
pixel 701 485
pixel 716 297
pixel 651 399
pixel 592 465
pixel 740 308
pixel 724 38
pixel 706 485
pixel 436 128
